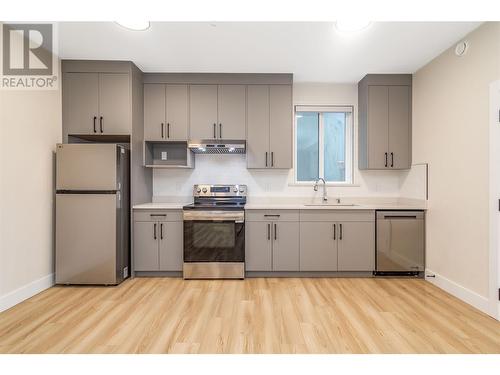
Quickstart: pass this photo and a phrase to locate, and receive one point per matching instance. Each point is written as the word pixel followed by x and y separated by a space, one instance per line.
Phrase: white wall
pixel 211 169
pixel 450 132
pixel 30 126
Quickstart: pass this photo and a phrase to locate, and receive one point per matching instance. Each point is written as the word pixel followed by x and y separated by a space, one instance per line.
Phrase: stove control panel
pixel 219 190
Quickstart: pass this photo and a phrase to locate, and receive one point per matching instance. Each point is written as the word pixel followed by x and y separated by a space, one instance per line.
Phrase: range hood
pixel 217 146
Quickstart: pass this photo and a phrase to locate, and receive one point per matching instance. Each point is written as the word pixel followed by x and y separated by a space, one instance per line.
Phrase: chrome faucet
pixel 325 198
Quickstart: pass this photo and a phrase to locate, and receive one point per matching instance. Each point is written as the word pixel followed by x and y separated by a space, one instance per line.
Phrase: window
pixel 323 144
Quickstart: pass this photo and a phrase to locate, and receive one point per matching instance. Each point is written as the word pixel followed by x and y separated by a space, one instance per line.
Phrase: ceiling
pixel 313 51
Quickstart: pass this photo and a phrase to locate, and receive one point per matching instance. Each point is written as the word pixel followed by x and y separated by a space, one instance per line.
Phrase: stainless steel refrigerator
pixel 92 214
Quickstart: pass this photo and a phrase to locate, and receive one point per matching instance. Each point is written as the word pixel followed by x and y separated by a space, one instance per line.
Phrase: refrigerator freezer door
pixel 90 167
pixel 87 239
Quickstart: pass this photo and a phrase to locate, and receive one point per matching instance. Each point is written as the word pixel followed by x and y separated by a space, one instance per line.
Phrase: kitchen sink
pixel 331 205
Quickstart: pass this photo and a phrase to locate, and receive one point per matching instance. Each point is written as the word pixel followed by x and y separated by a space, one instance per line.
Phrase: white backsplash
pixel 231 169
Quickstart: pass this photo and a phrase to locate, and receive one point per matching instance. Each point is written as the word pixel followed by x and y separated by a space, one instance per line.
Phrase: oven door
pixel 214 236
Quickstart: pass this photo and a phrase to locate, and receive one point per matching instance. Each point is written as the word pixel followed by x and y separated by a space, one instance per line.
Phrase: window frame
pixel 349 143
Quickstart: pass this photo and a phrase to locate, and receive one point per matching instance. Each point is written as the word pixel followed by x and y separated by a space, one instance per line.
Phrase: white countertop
pixel 300 204
pixel 291 206
pixel 160 206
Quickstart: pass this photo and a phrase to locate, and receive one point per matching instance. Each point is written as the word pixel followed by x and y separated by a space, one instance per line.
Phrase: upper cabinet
pixel 96 98
pixel 385 121
pixel 217 111
pixel 269 126
pixel 166 112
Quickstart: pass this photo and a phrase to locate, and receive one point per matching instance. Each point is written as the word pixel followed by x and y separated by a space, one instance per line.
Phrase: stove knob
pixel 242 190
pixel 198 190
pixel 235 189
pixel 204 190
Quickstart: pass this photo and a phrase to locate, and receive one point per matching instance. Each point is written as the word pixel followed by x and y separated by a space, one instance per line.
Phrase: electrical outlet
pixel 164 155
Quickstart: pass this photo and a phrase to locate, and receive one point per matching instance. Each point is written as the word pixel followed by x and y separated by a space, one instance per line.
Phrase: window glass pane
pixel 334 124
pixel 307 146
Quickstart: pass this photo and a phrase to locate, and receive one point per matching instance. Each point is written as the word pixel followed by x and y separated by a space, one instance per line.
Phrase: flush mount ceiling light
pixel 134 25
pixel 351 26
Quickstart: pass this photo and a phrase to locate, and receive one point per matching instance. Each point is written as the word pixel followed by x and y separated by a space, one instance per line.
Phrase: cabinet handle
pixel 215 135
pixel 100 123
pixel 386 159
pixel 340 234
pixel 154 215
pixel 392 159
pixel 220 130
pixel 272 158
pixel 168 129
pixel 272 215
pixel 266 158
pixel 162 132
pixel 268 232
pixel 161 231
pixel 154 231
pixel 275 232
pixel 95 118
pixel 334 231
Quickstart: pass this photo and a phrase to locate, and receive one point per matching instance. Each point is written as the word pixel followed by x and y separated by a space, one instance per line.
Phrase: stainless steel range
pixel 214 232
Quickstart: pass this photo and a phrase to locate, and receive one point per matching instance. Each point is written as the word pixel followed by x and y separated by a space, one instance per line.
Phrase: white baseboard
pixel 468 296
pixel 29 290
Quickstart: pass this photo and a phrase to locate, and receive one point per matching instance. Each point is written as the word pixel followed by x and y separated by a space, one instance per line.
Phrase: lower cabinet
pixel 344 244
pixel 356 246
pixel 318 246
pixel 158 245
pixel 272 246
pixel 171 246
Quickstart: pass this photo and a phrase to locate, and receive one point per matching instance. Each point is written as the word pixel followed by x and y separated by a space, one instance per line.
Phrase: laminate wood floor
pixel 265 315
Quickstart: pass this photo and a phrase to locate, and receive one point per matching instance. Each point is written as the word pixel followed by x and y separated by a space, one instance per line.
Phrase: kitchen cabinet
pixel 269 126
pixel 96 103
pixel 146 246
pixel 203 112
pixel 258 246
pixel 166 112
pixel 80 102
pixel 318 246
pixel 356 246
pixel 171 250
pixel 231 111
pixel 158 241
pixel 272 242
pixel 217 111
pixel 385 121
pixel 337 241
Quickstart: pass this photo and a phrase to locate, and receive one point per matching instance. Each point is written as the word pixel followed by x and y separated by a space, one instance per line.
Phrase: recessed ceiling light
pixel 350 26
pixel 135 25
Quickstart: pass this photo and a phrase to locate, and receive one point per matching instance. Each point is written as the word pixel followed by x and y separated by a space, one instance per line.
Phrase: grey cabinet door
pixel 280 126
pixel 378 126
pixel 231 111
pixel 114 103
pixel 399 127
pixel 177 113
pixel 146 246
pixel 171 245
pixel 356 246
pixel 203 111
pixel 80 102
pixel 154 112
pixel 258 249
pixel 318 248
pixel 286 246
pixel 257 126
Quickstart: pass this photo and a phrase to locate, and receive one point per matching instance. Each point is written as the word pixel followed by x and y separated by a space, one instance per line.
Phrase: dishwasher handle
pixel 398 215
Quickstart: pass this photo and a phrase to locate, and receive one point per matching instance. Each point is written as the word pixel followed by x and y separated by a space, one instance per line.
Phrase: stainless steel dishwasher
pixel 400 248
